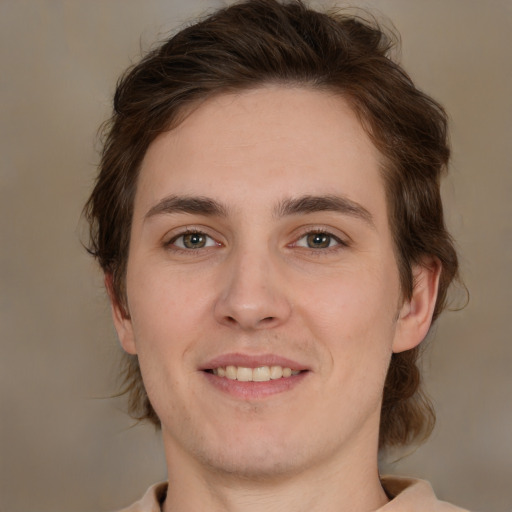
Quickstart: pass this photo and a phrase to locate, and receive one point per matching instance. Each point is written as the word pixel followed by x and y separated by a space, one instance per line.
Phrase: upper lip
pixel 252 361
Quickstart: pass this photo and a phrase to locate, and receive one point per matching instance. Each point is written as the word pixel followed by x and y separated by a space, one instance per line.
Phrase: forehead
pixel 263 145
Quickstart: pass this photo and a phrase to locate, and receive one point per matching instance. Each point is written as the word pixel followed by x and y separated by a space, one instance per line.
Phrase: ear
pixel 121 318
pixel 415 315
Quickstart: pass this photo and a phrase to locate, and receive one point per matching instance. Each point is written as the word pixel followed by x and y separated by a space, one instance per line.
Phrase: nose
pixel 252 294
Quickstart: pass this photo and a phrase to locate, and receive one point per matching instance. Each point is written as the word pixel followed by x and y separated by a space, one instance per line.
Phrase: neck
pixel 329 486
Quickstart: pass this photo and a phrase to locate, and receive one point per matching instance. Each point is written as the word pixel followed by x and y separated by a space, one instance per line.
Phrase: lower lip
pixel 254 390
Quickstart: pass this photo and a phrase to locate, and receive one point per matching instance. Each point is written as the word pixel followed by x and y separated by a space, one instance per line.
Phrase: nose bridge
pixel 251 296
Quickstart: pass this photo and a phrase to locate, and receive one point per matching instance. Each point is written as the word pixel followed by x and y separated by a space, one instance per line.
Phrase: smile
pixel 259 374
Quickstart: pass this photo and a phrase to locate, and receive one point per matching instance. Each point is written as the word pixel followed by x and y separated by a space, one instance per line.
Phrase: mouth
pixel 258 374
pixel 254 376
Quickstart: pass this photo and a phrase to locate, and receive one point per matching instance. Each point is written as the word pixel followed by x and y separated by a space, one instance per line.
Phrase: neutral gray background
pixel 65 448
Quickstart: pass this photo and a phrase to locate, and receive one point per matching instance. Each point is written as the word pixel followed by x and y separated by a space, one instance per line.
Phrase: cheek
pixel 360 300
pixel 166 309
pixel 354 313
pixel 166 312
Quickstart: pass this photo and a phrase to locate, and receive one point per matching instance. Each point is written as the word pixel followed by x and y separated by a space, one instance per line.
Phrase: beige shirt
pixel 410 496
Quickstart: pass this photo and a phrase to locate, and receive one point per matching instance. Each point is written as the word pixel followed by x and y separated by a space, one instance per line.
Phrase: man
pixel 268 218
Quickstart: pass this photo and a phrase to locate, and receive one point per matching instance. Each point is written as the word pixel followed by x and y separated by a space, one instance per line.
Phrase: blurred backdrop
pixel 63 445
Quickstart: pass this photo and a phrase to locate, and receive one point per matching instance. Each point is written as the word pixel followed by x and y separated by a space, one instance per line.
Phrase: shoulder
pixel 151 500
pixel 412 495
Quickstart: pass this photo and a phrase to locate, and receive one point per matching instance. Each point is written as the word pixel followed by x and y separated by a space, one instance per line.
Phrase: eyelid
pixel 341 239
pixel 170 239
pixel 183 235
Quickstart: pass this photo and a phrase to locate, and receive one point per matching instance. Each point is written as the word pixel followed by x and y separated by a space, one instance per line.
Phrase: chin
pixel 256 466
pixel 260 454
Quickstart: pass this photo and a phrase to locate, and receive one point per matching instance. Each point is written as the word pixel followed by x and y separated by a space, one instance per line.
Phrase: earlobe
pixel 121 319
pixel 415 315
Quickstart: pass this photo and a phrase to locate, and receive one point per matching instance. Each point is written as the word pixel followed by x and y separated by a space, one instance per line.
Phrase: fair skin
pixel 260 239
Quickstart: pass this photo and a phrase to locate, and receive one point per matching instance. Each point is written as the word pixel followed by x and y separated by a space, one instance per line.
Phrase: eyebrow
pixel 188 204
pixel 287 207
pixel 312 204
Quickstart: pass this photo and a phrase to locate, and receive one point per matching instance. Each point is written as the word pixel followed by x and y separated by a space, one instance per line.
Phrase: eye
pixel 193 240
pixel 318 240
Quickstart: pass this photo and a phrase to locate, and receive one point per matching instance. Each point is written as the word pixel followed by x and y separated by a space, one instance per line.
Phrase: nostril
pixel 266 322
pixel 263 321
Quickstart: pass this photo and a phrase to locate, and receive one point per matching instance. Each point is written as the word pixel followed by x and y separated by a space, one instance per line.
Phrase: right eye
pixel 192 240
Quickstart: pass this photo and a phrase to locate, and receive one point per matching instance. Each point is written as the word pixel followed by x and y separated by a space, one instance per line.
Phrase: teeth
pixel 260 374
pixel 287 372
pixel 231 372
pixel 276 372
pixel 244 374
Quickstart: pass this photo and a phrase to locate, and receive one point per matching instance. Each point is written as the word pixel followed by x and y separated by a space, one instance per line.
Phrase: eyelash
pixel 319 231
pixel 171 244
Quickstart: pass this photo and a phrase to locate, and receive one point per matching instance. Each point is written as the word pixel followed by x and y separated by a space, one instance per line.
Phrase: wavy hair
pixel 258 42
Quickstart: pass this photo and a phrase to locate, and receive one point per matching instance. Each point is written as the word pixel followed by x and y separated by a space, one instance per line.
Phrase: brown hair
pixel 257 42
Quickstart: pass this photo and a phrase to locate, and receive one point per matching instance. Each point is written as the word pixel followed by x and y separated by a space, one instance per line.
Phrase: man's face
pixel 260 244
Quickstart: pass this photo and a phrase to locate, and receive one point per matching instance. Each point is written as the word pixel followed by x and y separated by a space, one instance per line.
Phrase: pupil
pixel 318 240
pixel 194 240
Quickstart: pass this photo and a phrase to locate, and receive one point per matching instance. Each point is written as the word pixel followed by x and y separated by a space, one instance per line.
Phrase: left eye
pixel 317 241
pixel 195 240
